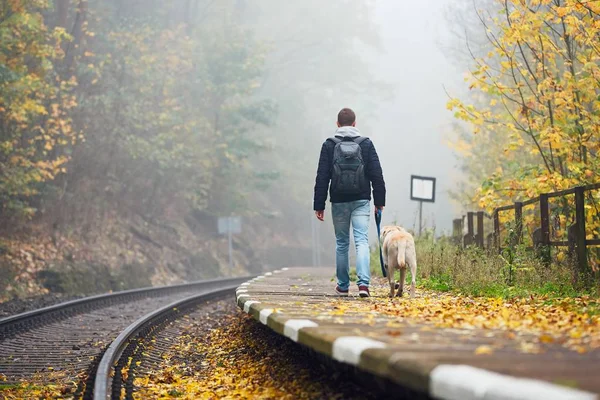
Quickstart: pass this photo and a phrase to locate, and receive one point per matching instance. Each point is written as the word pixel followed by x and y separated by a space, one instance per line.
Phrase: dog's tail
pixel 402 253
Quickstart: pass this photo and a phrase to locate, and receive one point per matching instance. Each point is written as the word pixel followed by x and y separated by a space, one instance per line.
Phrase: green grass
pixel 441 283
pixel 353 276
pixel 444 267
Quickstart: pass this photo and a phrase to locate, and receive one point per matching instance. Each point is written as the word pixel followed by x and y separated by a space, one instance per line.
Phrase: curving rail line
pixel 127 349
pixel 9 326
pixel 70 338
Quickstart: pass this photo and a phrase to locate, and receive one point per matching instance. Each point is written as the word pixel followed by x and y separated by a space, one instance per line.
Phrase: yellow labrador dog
pixel 398 248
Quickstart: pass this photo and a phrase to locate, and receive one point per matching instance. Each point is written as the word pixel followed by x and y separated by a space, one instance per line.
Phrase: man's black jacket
pixel 372 171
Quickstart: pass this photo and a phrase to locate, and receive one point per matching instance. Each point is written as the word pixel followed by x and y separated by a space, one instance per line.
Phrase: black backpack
pixel 348 174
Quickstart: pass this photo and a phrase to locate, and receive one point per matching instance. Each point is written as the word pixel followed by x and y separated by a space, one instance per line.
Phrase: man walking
pixel 350 163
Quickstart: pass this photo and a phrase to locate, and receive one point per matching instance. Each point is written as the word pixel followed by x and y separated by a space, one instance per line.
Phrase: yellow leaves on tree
pixel 537 100
pixel 34 109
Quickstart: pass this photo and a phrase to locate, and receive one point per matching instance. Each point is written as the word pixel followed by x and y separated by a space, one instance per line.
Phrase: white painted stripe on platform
pixel 248 304
pixel 241 290
pixel 246 283
pixel 264 315
pixel 259 278
pixel 292 326
pixel 241 296
pixel 349 348
pixel 268 274
pixel 463 382
pixel 277 271
pixel 284 269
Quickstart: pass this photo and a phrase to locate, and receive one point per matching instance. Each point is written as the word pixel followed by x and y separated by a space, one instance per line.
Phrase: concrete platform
pixel 300 304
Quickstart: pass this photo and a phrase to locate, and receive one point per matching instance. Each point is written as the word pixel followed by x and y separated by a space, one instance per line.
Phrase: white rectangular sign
pixel 422 188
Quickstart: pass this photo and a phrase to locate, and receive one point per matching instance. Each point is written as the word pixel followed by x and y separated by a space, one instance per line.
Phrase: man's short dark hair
pixel 346 117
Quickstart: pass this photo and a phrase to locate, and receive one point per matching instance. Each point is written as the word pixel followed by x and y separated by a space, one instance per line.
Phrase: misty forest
pixel 129 127
pixel 132 132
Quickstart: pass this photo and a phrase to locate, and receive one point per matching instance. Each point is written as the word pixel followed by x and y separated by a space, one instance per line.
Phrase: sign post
pixel 228 226
pixel 422 189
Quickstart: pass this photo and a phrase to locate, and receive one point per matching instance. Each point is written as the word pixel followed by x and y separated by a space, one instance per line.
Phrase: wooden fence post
pixel 497 230
pixel 480 229
pixel 468 240
pixel 489 242
pixel 518 223
pixel 580 241
pixel 544 240
pixel 545 218
pixel 457 230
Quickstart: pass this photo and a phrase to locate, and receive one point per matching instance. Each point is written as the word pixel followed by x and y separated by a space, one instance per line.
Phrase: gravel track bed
pixel 64 352
pixel 216 351
pixel 18 306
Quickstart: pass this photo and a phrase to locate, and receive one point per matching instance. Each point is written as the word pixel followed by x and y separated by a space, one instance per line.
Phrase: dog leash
pixel 378 223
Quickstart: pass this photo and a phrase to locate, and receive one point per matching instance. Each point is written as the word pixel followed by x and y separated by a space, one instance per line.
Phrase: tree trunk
pixel 78 35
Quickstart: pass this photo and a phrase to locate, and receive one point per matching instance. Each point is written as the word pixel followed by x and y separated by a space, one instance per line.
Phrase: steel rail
pixel 103 383
pixel 27 320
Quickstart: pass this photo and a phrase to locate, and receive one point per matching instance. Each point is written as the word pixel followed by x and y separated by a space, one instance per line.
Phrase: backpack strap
pixel 357 140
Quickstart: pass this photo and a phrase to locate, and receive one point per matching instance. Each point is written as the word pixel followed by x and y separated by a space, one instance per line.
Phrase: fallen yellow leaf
pixel 484 350
pixel 546 339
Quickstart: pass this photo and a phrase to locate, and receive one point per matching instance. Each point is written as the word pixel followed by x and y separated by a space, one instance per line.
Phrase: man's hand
pixel 378 208
pixel 320 215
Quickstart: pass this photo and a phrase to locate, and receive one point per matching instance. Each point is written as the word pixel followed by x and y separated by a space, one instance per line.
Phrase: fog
pixel 410 125
pixel 399 97
pixel 411 130
pixel 154 119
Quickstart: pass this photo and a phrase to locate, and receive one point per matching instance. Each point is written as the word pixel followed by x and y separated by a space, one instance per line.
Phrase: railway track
pixel 144 341
pixel 66 342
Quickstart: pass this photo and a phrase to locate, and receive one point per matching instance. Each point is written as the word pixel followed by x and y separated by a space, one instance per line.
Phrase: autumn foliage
pixel 103 95
pixel 35 124
pixel 128 127
pixel 536 100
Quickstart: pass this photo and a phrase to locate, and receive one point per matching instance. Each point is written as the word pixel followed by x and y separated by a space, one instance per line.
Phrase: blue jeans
pixel 343 214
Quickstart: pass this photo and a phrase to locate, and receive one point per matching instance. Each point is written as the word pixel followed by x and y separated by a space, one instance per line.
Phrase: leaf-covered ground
pixel 50 385
pixel 571 322
pixel 241 359
pixel 222 353
pixel 228 355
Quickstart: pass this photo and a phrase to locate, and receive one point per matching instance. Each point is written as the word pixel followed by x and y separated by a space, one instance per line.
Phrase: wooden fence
pixel 577 242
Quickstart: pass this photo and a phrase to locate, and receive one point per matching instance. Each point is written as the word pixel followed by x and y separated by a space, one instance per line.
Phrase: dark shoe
pixel 363 291
pixel 341 292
